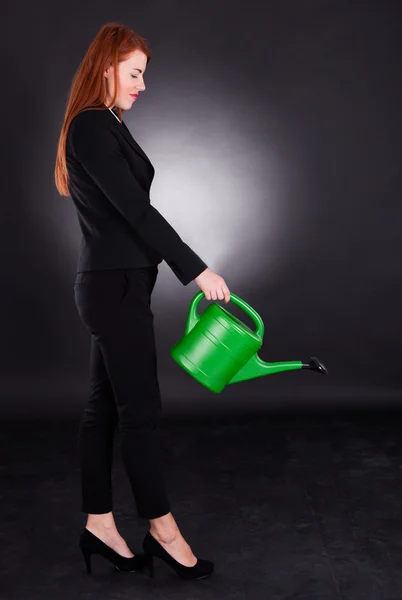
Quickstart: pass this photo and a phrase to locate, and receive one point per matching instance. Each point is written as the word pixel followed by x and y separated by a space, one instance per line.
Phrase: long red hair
pixel 113 44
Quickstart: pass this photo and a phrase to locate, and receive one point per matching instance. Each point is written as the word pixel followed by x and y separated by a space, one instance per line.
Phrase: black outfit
pixel 110 178
pixel 124 239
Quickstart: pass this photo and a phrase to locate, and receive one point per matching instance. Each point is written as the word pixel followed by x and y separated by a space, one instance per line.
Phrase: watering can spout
pixel 315 365
pixel 256 367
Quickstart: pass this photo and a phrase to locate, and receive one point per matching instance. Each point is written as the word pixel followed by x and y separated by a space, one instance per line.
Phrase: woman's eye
pixel 135 76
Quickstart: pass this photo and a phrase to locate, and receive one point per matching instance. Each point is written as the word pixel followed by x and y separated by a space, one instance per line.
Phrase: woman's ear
pixel 109 70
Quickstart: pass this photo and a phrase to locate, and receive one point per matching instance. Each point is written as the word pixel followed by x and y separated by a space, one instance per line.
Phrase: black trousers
pixel 115 306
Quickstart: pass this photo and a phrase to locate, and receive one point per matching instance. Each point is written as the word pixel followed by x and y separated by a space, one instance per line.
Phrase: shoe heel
pixel 150 564
pixel 87 558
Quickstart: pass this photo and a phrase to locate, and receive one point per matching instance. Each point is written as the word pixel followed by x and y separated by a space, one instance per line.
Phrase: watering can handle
pixel 193 317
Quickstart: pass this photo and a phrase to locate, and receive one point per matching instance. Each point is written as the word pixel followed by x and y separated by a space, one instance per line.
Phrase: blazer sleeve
pixel 98 150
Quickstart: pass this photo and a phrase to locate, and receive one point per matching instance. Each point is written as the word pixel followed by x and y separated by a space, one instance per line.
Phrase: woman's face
pixel 130 75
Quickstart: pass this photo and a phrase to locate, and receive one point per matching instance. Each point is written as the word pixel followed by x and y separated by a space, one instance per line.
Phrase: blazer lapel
pixel 122 127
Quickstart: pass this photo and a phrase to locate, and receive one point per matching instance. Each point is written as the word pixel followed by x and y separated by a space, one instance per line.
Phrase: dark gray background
pixel 304 100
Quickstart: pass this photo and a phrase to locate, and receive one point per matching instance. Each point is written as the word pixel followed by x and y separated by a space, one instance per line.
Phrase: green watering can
pixel 218 349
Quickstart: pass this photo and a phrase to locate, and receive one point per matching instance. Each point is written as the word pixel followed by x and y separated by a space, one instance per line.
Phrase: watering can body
pixel 218 349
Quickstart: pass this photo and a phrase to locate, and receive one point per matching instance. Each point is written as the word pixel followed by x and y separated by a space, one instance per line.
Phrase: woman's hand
pixel 213 286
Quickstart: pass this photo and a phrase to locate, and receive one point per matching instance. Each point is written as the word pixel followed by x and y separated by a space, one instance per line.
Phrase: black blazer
pixel 109 181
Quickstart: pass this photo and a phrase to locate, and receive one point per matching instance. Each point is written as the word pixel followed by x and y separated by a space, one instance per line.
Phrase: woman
pixel 124 239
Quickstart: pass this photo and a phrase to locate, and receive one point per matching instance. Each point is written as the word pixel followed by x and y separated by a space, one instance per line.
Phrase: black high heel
pixel 91 544
pixel 152 547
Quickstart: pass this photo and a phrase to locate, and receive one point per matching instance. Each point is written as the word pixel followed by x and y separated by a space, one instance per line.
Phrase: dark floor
pixel 288 506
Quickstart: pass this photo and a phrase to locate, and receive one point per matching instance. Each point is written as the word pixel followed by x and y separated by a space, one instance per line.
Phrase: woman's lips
pixel 134 95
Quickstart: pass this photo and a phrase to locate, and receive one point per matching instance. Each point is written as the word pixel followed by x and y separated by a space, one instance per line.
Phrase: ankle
pixel 166 537
pixel 101 521
pixel 165 529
